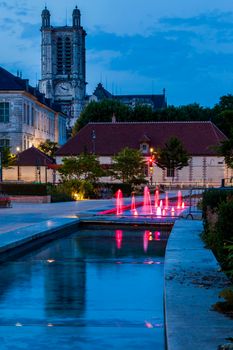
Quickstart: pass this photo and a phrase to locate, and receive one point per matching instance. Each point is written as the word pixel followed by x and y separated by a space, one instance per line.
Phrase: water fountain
pixel 160 208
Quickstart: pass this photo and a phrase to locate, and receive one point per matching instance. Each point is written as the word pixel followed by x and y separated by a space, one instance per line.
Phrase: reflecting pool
pixel 94 289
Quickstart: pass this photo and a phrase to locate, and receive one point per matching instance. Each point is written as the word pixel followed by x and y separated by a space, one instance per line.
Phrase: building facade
pixel 200 139
pixel 63 64
pixel 26 116
pixel 155 101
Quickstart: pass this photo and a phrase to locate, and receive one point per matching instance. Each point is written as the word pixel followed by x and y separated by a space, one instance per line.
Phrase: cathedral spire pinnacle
pixel 45 18
pixel 76 17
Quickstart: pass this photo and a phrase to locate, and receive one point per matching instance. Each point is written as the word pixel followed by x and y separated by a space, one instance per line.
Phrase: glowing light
pixel 148 324
pixel 156 198
pixel 119 235
pixel 173 211
pixel 145 240
pixel 147 209
pixel 50 325
pixel 18 324
pixel 179 200
pixel 166 201
pixel 158 212
pixel 119 202
pixel 78 196
pixel 161 204
pixel 163 212
pixel 183 205
pixel 157 236
pixel 50 261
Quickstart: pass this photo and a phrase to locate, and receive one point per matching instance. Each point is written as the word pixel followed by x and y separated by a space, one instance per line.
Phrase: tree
pixel 225 103
pixel 48 147
pixel 173 156
pixel 85 166
pixel 7 157
pixel 226 150
pixel 102 111
pixel 129 166
pixel 224 121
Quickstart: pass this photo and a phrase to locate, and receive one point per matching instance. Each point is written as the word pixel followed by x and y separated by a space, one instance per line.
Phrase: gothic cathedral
pixel 63 64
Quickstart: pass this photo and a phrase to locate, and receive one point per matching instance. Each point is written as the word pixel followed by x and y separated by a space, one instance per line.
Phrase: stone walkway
pixel 193 280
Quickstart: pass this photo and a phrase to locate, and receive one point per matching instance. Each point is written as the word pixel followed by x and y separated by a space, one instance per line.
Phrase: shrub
pixel 24 189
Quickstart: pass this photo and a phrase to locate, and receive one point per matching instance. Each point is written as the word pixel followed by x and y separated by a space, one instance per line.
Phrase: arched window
pixel 68 56
pixel 59 56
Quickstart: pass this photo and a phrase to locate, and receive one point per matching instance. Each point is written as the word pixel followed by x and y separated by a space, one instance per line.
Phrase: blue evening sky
pixel 134 46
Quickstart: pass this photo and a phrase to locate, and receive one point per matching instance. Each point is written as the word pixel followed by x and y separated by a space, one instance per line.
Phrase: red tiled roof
pixel 33 157
pixel 198 138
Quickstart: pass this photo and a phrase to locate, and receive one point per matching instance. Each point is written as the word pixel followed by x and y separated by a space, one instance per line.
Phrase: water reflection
pixel 90 283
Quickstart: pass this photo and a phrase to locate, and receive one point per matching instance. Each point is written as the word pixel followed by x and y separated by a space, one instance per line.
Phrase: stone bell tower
pixel 63 64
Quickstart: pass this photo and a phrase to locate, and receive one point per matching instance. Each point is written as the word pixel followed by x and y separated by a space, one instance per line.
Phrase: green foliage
pixel 102 111
pixel 71 190
pixel 86 166
pixel 24 189
pixel 226 150
pixel 7 158
pixel 48 147
pixel 129 166
pixel 217 214
pixel 173 155
pixel 226 306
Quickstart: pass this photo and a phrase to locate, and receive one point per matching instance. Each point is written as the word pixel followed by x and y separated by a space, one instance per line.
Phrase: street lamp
pixel 151 162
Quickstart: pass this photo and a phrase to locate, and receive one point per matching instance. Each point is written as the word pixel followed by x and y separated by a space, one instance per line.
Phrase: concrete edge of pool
pixel 191 286
pixel 193 280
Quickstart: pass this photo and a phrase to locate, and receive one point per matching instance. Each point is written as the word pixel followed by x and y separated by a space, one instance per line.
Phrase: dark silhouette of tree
pixel 172 156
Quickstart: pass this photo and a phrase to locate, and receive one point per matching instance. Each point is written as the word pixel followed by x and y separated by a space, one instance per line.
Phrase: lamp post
pixel 17 157
pixel 93 140
pixel 151 162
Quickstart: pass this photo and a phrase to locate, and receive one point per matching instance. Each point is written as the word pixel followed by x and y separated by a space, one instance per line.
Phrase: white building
pixel 26 116
pixel 199 139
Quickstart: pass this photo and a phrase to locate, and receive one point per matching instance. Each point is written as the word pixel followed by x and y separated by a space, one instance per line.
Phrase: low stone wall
pixel 31 199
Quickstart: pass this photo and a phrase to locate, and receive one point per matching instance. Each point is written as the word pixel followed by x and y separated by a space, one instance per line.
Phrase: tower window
pixel 59 56
pixel 68 56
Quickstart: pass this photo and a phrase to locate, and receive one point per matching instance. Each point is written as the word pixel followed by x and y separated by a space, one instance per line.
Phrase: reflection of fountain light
pixel 119 235
pixel 173 211
pixel 157 236
pixel 147 202
pixel 119 202
pixel 50 261
pixel 156 198
pixel 145 240
pixel 148 324
pixel 18 324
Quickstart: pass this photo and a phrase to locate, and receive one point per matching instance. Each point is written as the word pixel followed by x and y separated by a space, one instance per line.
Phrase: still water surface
pixel 94 289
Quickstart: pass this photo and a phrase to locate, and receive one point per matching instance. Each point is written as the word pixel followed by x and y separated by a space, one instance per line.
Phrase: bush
pixel 71 190
pixel 16 189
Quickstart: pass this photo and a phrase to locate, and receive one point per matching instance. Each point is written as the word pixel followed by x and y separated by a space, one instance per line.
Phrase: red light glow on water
pixel 119 236
pixel 146 240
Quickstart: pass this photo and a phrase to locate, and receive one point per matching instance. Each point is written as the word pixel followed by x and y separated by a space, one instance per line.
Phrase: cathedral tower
pixel 63 64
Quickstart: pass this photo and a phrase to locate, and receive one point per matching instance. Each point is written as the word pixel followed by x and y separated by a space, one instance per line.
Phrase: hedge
pixel 18 189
